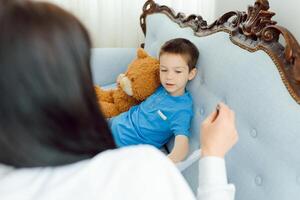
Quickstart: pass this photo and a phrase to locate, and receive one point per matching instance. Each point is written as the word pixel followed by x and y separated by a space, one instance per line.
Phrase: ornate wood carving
pixel 252 30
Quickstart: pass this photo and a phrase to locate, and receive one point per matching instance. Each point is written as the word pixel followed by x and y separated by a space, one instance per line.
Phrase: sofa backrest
pixel 242 64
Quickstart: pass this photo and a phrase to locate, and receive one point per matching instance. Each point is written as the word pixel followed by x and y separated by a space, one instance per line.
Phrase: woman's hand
pixel 218 132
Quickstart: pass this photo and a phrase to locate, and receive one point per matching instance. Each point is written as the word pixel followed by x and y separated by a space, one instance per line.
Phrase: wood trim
pixel 252 30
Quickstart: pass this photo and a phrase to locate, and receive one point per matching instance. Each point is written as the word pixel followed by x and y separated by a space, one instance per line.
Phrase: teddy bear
pixel 139 81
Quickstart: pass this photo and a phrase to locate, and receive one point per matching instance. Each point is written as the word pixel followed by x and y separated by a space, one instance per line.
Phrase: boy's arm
pixel 180 149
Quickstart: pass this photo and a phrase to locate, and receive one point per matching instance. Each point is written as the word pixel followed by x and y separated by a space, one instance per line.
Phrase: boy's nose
pixel 169 75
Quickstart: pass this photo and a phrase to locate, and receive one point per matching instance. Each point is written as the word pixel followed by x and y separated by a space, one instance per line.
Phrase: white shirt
pixel 131 173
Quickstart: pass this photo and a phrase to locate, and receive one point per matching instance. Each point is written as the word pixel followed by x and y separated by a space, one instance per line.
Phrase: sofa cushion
pixel 265 163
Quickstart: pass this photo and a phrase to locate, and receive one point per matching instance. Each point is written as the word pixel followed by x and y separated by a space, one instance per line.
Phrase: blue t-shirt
pixel 155 120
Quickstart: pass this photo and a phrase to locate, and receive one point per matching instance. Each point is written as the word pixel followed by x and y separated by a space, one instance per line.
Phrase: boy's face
pixel 174 73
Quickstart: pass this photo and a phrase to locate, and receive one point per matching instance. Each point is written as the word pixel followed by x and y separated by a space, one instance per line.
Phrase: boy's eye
pixel 178 72
pixel 163 70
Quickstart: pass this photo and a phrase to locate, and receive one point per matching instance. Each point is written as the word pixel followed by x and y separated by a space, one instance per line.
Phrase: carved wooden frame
pixel 252 30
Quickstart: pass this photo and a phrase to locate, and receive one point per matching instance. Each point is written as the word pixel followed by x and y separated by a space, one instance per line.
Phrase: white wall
pixel 287 11
pixel 115 23
pixel 123 29
pixel 111 23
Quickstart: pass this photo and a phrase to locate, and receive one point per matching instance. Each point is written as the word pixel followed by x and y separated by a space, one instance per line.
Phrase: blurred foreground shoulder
pixel 137 172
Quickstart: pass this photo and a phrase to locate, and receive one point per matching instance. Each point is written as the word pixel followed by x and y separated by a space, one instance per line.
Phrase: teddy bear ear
pixel 141 53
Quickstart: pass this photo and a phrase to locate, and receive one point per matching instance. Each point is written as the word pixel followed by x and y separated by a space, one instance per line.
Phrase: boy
pixel 168 111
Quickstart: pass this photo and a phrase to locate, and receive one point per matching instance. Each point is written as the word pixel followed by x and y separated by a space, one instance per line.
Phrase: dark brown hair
pixel 182 47
pixel 49 113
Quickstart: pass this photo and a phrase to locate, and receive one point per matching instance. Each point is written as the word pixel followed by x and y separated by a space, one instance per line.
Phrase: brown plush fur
pixel 143 75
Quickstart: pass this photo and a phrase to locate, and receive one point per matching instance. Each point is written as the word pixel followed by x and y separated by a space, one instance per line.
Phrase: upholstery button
pixel 224 100
pixel 298 179
pixel 253 133
pixel 202 111
pixel 202 81
pixel 258 180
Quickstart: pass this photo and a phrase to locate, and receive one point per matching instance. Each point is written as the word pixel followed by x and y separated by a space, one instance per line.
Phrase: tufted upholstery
pixel 265 164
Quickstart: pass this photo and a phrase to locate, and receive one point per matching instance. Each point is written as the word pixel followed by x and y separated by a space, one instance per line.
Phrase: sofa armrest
pixel 108 63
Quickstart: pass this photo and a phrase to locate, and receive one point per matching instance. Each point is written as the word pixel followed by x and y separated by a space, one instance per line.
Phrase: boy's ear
pixel 192 74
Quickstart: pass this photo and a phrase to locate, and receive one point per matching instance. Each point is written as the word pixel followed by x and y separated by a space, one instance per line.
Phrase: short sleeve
pixel 180 123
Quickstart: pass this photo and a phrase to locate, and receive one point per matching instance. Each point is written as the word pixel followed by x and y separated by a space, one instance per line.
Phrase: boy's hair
pixel 49 114
pixel 182 47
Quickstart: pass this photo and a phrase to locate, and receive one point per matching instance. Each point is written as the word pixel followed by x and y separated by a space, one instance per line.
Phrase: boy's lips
pixel 169 84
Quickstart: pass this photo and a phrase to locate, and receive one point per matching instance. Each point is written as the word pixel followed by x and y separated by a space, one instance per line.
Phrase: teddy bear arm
pixel 123 101
pixel 104 95
pixel 109 109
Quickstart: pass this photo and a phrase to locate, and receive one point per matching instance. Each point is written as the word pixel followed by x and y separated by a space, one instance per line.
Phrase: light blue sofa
pixel 246 67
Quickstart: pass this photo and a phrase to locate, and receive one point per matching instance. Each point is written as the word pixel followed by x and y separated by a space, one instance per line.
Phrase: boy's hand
pixel 218 132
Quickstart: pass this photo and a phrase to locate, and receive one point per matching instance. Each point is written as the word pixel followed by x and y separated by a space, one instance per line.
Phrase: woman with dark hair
pixel 52 132
pixel 46 88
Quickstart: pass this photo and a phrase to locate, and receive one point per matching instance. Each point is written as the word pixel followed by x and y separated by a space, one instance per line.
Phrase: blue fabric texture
pixel 265 162
pixel 155 120
pixel 108 63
